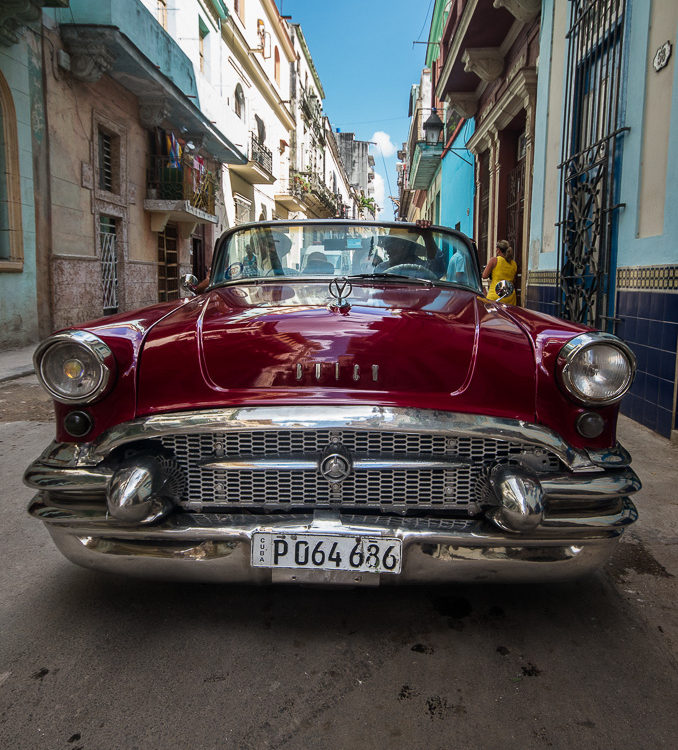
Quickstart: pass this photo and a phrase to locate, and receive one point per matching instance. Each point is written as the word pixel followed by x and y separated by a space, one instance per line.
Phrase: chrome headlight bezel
pixel 573 348
pixel 93 346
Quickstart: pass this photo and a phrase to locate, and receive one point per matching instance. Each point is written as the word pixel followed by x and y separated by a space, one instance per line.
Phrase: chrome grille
pixel 456 488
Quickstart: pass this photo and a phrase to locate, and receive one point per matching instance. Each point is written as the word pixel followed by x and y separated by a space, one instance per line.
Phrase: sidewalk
pixel 16 363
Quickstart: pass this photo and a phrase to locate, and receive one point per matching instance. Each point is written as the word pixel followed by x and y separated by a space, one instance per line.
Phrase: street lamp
pixel 433 127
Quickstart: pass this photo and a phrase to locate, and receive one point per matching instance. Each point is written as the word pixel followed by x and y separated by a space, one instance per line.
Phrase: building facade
pixel 133 133
pixel 24 214
pixel 487 69
pixel 603 223
pixel 436 177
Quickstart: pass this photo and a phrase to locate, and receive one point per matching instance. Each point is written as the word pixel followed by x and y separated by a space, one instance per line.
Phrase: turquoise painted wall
pixel 630 249
pixel 457 183
pixel 18 303
pixel 663 248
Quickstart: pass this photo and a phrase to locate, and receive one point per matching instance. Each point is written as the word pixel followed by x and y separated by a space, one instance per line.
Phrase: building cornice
pixel 281 30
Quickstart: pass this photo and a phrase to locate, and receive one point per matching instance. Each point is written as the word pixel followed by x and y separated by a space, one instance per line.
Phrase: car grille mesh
pixel 389 489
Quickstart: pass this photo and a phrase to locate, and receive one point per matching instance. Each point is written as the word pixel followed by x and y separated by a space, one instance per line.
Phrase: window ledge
pixel 12 266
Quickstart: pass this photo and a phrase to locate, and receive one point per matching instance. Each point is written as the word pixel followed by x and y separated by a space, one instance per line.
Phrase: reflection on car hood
pixel 437 347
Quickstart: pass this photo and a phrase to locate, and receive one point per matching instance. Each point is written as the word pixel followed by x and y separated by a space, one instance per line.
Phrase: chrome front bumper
pixel 551 527
pixel 217 547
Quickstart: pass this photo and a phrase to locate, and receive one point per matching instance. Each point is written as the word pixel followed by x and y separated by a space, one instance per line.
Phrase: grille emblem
pixel 335 463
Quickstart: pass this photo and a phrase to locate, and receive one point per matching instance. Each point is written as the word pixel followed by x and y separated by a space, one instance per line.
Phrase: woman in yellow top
pixel 501 268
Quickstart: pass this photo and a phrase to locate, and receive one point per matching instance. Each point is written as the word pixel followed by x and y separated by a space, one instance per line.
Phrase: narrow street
pixel 94 662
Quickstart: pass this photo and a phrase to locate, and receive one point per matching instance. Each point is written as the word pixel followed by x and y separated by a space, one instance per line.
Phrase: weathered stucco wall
pixel 77 111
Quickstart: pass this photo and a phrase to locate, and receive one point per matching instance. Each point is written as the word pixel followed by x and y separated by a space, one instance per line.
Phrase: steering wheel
pixel 413 270
pixel 234 271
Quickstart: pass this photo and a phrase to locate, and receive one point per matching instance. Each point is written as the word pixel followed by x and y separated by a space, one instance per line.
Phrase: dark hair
pixel 505 249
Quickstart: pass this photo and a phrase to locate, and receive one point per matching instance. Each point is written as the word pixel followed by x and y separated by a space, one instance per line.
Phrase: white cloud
pixel 379 190
pixel 384 145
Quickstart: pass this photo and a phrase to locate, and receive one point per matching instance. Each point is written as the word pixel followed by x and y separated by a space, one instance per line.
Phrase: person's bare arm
pixel 429 242
pixel 488 268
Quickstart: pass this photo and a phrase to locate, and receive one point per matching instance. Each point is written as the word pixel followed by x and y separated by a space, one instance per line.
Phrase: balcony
pixel 425 163
pixel 123 40
pixel 259 167
pixel 179 191
pixel 291 195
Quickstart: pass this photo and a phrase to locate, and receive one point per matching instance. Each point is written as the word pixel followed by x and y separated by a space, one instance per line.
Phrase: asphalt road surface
pixel 103 663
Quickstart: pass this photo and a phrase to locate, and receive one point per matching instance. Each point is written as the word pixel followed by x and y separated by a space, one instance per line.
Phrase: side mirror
pixel 189 282
pixel 504 289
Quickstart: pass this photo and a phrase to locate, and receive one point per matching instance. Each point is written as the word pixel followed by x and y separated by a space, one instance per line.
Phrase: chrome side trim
pixel 319 417
pixel 44 477
pixel 605 486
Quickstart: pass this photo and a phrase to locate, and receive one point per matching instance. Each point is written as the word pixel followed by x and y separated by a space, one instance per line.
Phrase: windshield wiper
pixel 395 276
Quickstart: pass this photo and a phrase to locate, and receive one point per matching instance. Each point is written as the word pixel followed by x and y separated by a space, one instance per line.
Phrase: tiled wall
pixel 647 309
pixel 649 324
pixel 541 298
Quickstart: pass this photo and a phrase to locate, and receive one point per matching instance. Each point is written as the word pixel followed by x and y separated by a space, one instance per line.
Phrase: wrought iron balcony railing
pixel 182 179
pixel 260 154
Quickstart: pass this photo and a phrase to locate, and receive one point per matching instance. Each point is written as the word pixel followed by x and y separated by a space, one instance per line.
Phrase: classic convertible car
pixel 341 405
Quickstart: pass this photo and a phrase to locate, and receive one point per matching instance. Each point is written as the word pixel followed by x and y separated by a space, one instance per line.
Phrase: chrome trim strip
pixel 304 464
pixel 319 417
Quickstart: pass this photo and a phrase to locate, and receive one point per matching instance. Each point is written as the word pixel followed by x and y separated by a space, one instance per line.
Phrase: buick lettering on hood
pixel 341 405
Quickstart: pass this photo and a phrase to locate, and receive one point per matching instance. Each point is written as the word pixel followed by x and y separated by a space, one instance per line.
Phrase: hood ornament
pixel 340 289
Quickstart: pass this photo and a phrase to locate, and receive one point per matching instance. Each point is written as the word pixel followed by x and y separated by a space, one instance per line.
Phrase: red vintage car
pixel 341 405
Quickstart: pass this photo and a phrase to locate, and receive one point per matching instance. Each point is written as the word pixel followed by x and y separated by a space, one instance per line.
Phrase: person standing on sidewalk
pixel 501 268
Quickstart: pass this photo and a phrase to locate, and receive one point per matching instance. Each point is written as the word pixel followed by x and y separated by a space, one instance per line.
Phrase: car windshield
pixel 313 250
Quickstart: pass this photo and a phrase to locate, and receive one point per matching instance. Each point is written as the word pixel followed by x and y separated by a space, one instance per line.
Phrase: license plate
pixel 326 552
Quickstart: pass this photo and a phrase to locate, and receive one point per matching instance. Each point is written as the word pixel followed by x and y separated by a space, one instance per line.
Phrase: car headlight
pixel 75 366
pixel 596 369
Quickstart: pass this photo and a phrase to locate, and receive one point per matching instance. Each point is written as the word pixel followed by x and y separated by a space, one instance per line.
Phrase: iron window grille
pixel 591 152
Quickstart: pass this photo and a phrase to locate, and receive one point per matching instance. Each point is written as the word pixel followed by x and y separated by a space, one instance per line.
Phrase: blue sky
pixel 367 63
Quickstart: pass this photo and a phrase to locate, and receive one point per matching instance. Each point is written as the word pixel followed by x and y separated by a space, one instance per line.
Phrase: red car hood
pixel 397 345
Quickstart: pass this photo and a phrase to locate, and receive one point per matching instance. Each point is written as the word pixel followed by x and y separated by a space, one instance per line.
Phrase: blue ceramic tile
pixel 641 356
pixel 633 298
pixel 623 304
pixel 648 415
pixel 664 422
pixel 654 336
pixel 671 308
pixel 630 329
pixel 665 394
pixel 669 337
pixel 644 304
pixel 651 389
pixel 642 331
pixel 638 385
pixel 667 365
pixel 653 356
pixel 657 305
